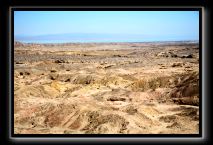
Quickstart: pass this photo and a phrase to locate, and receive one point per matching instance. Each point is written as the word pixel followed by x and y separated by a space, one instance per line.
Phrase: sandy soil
pixel 116 88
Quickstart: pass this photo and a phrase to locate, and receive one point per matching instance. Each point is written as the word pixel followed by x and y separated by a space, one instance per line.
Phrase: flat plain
pixel 106 88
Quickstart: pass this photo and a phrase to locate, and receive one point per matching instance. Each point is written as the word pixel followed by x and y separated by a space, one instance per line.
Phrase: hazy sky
pixel 148 23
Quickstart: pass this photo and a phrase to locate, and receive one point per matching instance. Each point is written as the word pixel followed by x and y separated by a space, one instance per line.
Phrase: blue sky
pixel 158 24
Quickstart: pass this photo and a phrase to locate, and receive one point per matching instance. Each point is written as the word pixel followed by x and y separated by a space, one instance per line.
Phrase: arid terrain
pixel 106 88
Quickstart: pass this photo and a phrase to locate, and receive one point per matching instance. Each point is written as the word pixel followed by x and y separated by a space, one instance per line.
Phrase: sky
pixel 156 24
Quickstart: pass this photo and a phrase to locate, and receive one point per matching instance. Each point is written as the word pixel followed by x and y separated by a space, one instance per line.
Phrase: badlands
pixel 106 88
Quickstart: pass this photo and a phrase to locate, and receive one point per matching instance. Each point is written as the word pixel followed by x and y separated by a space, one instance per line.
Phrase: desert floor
pixel 114 88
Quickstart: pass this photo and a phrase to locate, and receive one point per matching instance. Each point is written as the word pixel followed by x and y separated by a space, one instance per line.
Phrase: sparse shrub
pixel 164 81
pixel 140 85
pixel 107 79
pixel 84 79
pixel 131 110
pixel 128 77
pixel 152 83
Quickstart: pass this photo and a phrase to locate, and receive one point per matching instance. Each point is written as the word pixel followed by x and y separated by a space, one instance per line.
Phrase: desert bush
pixel 109 80
pixel 81 79
pixel 152 83
pixel 85 79
pixel 164 81
pixel 128 77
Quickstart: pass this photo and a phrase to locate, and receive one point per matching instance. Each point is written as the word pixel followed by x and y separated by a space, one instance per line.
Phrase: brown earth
pixel 115 88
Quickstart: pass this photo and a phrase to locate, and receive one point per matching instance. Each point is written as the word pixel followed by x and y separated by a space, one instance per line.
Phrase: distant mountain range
pixel 94 37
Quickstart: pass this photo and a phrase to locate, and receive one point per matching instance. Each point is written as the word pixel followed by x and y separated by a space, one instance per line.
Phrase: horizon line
pixel 196 41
